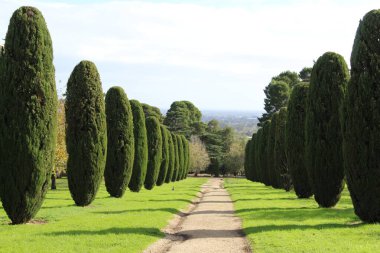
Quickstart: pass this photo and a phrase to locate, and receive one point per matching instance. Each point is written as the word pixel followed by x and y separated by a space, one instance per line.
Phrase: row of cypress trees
pixel 110 137
pixel 329 132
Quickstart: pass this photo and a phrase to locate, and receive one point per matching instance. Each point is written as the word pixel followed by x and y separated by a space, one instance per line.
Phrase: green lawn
pixel 128 225
pixel 276 221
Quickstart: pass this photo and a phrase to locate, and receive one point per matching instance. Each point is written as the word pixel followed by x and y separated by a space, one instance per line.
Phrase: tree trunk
pixel 53 183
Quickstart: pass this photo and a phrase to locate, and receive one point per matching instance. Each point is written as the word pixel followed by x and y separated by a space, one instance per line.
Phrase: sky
pixel 219 54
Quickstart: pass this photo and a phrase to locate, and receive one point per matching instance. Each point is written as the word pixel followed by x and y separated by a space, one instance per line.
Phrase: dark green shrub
pixel 362 121
pixel 171 167
pixel 120 144
pixel 295 140
pixel 257 152
pixel 28 115
pixel 176 157
pixel 185 156
pixel 180 157
pixel 273 177
pixel 140 162
pixel 263 153
pixel 281 165
pixel 154 151
pixel 86 133
pixel 252 157
pixel 165 156
pixel 248 159
pixel 323 128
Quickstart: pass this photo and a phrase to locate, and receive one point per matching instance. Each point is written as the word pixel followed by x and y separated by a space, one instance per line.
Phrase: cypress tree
pixel 171 166
pixel 273 178
pixel 323 128
pixel 281 165
pixel 257 153
pixel 188 158
pixel 362 121
pixel 248 159
pixel 154 151
pixel 295 140
pixel 86 133
pixel 140 162
pixel 252 157
pixel 263 152
pixel 121 144
pixel 176 157
pixel 28 114
pixel 185 156
pixel 165 156
pixel 180 157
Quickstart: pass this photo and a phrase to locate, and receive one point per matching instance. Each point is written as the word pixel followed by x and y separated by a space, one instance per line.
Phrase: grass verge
pixel 276 221
pixel 129 224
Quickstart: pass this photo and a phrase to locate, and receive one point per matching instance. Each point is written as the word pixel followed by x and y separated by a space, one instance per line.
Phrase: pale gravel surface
pixel 209 225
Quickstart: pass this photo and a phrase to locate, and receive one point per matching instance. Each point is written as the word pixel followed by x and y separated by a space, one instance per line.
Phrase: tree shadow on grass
pixel 169 210
pixel 298 214
pixel 269 228
pixel 117 231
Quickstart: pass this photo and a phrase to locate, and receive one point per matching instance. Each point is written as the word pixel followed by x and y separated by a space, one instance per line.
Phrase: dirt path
pixel 208 226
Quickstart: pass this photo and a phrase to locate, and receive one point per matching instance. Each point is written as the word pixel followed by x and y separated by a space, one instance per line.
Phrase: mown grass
pixel 276 221
pixel 128 225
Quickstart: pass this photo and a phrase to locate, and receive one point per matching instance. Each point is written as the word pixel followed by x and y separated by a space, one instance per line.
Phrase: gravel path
pixel 209 225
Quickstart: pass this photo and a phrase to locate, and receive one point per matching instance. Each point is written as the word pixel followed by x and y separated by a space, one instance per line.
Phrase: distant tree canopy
pixel 277 93
pixel 305 74
pixel 183 118
pixel 152 111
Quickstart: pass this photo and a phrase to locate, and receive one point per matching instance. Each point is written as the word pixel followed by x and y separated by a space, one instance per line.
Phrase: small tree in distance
pixel 199 159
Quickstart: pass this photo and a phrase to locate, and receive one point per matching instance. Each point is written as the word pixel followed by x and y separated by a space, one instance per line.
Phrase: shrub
pixel 257 152
pixel 263 147
pixel 28 114
pixel 86 135
pixel 248 159
pixel 185 145
pixel 180 157
pixel 273 177
pixel 362 121
pixel 323 128
pixel 154 151
pixel 280 152
pixel 176 158
pixel 295 140
pixel 171 166
pixel 121 144
pixel 165 156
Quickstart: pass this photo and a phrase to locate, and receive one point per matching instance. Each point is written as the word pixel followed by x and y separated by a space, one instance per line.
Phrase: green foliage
pixel 273 173
pixel 323 128
pixel 180 157
pixel 165 156
pixel 185 145
pixel 281 165
pixel 289 77
pixel 121 143
pixel 141 147
pixel 277 95
pixel 305 74
pixel 152 111
pixel 28 114
pixel 263 151
pixel 176 157
pixel 252 159
pixel 248 155
pixel 295 140
pixel 362 121
pixel 154 151
pixel 257 157
pixel 171 167
pixel 86 133
pixel 183 118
